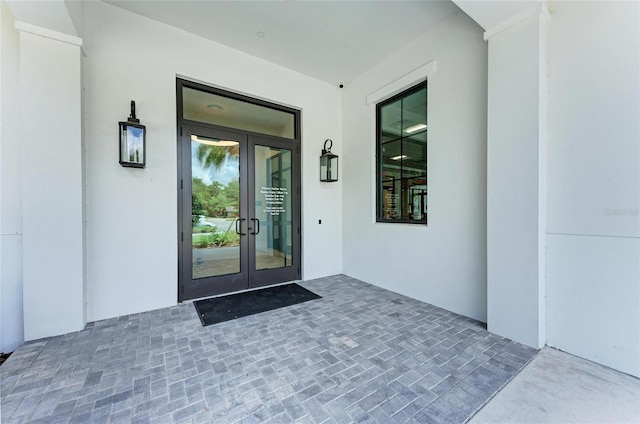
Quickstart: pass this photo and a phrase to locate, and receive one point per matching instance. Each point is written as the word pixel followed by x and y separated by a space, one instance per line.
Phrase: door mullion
pixel 245 211
pixel 250 202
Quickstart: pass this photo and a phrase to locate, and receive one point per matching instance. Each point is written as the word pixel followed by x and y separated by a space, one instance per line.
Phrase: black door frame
pixel 224 284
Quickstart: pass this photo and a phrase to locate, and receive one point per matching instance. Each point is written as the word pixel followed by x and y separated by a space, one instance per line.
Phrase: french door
pixel 239 211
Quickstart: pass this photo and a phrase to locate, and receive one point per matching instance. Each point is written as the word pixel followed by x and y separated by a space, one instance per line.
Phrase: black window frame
pixel 379 157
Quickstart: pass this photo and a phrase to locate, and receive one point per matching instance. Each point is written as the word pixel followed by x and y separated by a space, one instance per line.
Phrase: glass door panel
pixel 272 222
pixel 215 204
pixel 213 236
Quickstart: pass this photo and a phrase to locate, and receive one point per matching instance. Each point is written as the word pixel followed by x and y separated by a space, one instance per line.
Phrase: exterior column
pixel 52 188
pixel 516 178
pixel 11 326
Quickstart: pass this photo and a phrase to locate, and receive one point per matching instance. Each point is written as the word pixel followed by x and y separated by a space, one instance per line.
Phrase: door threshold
pixel 239 291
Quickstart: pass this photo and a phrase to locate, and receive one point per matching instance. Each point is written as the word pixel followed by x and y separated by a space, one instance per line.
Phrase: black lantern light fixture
pixel 328 164
pixel 132 141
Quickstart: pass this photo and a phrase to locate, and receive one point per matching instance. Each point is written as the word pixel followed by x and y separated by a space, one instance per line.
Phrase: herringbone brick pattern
pixel 360 354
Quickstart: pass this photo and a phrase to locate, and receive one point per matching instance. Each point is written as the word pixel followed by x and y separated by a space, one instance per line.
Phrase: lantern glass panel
pixel 324 165
pixel 328 167
pixel 332 172
pixel 132 144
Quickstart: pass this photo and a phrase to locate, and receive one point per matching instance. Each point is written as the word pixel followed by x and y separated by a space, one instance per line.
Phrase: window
pixel 402 157
pixel 233 111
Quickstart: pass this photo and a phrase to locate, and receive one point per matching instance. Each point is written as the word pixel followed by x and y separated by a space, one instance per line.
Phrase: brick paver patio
pixel 360 354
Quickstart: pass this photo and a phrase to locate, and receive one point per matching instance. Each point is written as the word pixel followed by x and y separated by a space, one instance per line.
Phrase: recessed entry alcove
pixel 239 192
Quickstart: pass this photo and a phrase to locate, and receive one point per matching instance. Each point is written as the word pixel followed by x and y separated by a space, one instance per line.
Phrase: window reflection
pixel 273 180
pixel 210 108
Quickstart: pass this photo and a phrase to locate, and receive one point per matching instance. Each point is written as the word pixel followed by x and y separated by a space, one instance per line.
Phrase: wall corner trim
pixel 539 10
pixel 402 83
pixel 48 33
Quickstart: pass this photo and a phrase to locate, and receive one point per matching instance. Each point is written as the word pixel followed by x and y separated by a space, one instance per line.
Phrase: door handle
pixel 237 230
pixel 257 231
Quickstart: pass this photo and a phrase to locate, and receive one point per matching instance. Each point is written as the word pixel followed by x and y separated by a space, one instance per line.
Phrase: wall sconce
pixel 132 141
pixel 328 164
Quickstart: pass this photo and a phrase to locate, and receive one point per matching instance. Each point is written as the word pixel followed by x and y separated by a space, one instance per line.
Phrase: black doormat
pixel 4 357
pixel 226 308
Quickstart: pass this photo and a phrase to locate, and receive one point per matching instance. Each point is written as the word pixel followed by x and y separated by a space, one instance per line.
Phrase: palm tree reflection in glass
pixel 215 205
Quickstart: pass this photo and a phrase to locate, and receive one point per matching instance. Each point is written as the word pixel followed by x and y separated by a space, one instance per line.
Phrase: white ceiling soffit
pixel 53 14
pixel 489 13
pixel 329 40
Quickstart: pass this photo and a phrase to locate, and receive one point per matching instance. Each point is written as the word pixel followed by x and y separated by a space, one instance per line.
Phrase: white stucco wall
pixel 443 263
pixel 11 331
pixel 593 240
pixel 132 213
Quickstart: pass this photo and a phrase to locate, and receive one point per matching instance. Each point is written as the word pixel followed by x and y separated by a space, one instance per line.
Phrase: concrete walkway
pixel 560 388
